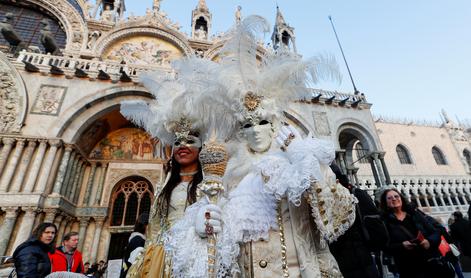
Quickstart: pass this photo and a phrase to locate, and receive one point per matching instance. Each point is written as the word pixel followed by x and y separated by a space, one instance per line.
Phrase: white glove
pixel 214 220
pixel 289 138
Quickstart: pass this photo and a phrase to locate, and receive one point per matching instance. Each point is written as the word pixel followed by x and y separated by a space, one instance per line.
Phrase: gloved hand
pixel 214 220
pixel 289 139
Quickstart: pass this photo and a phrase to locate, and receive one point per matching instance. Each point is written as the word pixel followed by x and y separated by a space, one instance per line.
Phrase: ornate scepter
pixel 213 157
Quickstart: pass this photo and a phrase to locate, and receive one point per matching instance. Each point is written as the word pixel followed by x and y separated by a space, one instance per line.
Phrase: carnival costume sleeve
pixel 303 172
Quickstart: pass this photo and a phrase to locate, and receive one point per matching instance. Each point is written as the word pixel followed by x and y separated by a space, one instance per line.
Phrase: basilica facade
pixel 69 157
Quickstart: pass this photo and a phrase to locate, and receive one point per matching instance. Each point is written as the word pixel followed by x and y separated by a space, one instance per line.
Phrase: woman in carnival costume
pixel 282 203
pixel 164 120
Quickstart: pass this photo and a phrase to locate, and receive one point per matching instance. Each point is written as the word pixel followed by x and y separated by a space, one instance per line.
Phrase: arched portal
pixel 360 155
pixel 131 197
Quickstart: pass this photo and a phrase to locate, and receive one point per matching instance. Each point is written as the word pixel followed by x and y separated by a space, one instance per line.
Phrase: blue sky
pixel 410 58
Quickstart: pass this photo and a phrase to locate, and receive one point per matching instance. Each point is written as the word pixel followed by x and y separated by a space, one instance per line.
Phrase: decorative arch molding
pixel 14 103
pixel 298 120
pixel 70 18
pixel 408 153
pixel 359 130
pixel 176 39
pixel 73 121
pixel 116 176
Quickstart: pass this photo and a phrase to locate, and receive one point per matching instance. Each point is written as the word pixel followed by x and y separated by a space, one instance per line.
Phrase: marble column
pixel 27 222
pixel 355 176
pixel 24 163
pixel 377 161
pixel 7 146
pixel 79 183
pixel 99 190
pixel 6 228
pixel 68 226
pixel 10 168
pixel 96 239
pixel 91 178
pixel 58 220
pixel 48 163
pixel 61 229
pixel 75 184
pixel 33 172
pixel 375 172
pixel 385 168
pixel 82 232
pixel 69 173
pixel 62 168
pixel 343 165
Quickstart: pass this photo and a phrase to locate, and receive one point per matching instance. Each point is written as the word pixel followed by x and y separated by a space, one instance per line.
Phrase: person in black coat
pixel 413 240
pixel 136 244
pixel 351 250
pixel 460 231
pixel 31 257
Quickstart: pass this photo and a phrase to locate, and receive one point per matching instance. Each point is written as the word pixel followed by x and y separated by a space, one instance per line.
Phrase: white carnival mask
pixel 259 135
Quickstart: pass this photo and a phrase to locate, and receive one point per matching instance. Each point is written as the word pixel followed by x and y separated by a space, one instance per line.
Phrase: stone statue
pixel 202 5
pixel 200 33
pixel 92 38
pixel 108 14
pixel 10 35
pixel 238 14
pixel 156 6
pixel 88 8
pixel 47 38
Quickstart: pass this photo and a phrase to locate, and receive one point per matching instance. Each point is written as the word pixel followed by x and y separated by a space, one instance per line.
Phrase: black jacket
pixel 32 260
pixel 461 234
pixel 411 263
pixel 350 250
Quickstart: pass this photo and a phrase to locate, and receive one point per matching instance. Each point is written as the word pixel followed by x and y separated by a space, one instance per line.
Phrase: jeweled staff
pixel 213 158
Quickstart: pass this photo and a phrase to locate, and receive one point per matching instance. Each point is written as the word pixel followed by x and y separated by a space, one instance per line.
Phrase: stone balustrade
pixel 91 67
pixel 435 194
pixel 338 95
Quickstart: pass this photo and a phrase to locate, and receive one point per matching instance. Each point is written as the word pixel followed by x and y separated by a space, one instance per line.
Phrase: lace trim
pixel 189 252
pixel 292 177
pixel 250 212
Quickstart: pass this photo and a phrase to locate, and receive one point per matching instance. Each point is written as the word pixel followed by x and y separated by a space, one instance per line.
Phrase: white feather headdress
pixel 215 97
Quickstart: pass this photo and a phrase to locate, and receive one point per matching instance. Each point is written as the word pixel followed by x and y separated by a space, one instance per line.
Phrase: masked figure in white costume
pixel 282 203
pixel 165 118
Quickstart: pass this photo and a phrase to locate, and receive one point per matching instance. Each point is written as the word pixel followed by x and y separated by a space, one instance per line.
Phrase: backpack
pixel 373 229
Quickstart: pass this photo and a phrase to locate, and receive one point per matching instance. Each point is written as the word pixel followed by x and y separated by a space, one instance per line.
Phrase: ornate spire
pixel 283 34
pixel 156 5
pixel 201 21
pixel 202 5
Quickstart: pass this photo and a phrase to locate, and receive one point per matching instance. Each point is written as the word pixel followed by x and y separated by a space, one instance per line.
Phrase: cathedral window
pixel 403 155
pixel 438 156
pixel 131 198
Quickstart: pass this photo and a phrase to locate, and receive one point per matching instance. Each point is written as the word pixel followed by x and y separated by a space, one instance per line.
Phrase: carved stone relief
pixel 321 123
pixel 12 98
pixel 49 100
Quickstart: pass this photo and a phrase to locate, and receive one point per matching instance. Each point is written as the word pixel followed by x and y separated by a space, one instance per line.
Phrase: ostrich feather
pixel 240 52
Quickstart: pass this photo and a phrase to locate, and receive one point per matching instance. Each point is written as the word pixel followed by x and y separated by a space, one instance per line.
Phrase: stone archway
pixel 360 154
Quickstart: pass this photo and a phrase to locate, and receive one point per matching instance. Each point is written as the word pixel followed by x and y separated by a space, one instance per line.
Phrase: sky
pixel 410 58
